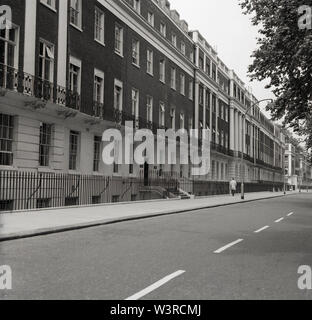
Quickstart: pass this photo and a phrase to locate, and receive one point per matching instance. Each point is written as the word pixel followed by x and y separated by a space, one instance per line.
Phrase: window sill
pixel 117 175
pixel 8 168
pixel 136 65
pixel 45 170
pixel 97 174
pixel 100 43
pixel 120 54
pixel 150 74
pixel 163 82
pixel 74 172
pixel 76 27
pixel 49 7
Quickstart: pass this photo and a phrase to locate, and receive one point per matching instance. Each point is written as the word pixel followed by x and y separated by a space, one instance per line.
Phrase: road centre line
pixel 155 286
pixel 279 220
pixel 228 246
pixel 262 229
pixel 290 214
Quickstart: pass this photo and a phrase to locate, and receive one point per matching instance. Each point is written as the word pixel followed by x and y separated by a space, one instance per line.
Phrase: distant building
pixel 298 168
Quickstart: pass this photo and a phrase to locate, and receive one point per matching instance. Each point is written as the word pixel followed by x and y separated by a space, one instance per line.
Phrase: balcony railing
pixel 221 149
pixel 29 85
pixel 98 109
pixel 248 158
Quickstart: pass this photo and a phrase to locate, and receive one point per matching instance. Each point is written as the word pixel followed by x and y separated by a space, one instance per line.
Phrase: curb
pixel 55 230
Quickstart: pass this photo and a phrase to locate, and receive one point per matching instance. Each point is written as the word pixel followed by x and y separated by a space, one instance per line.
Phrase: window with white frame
pixel 150 62
pixel 45 144
pixel 136 52
pixel 182 84
pixel 99 25
pixel 226 113
pixel 151 18
pixel 162 114
pixel 49 3
pixel 97 153
pixel 208 66
pixel 173 81
pixel 135 103
pixel 75 13
pixel 182 121
pixel 74 137
pixel 6 139
pixel 191 89
pixel 98 86
pixel 163 29
pixel 162 70
pixel 46 61
pixel 183 50
pixel 118 95
pixel 173 118
pixel 137 5
pixel 190 124
pixel 226 140
pixel 221 111
pixel 149 107
pixel 119 39
pixel 192 55
pixel 201 127
pixel 75 75
pixel 174 39
pixel 201 95
pixel 9 46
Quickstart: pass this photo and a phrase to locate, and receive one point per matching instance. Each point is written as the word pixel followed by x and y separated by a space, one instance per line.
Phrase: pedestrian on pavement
pixel 233 186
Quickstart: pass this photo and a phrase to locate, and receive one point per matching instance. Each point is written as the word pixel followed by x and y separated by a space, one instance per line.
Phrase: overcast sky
pixel 225 27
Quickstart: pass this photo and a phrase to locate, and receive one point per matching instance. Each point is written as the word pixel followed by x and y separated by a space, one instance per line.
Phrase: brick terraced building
pixel 69 69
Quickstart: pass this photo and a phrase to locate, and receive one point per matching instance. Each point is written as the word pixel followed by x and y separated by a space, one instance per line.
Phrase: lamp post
pixel 243 145
pixel 284 173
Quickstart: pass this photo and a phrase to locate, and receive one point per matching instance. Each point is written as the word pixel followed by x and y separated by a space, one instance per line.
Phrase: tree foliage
pixel 284 57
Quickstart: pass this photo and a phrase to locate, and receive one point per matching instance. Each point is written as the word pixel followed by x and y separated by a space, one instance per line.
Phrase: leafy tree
pixel 284 57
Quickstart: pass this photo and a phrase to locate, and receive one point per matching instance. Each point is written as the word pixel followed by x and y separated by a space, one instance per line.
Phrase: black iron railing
pixel 32 190
pixel 15 80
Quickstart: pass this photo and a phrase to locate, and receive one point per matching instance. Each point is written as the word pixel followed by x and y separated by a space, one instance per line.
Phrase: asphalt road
pixel 244 251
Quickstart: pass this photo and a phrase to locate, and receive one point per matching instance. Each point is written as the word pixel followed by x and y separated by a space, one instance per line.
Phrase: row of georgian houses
pixel 69 69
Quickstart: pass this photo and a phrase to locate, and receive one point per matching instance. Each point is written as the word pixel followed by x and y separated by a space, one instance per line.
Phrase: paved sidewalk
pixel 34 223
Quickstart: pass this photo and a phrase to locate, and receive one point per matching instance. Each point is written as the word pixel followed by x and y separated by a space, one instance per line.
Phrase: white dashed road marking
pixel 279 220
pixel 262 229
pixel 228 246
pixel 155 286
